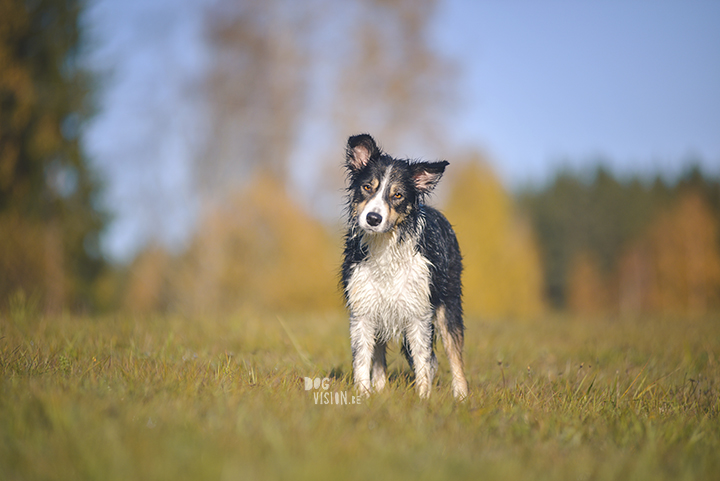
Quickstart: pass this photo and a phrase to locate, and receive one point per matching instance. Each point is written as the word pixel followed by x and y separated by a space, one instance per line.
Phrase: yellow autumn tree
pixel 502 275
pixel 675 266
pixel 259 249
pixel 687 264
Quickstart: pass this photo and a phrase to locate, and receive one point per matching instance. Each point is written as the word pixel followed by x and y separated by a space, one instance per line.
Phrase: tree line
pixel 599 246
pixel 628 245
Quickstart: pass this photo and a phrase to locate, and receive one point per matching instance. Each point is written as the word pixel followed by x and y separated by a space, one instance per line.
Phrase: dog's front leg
pixel 362 342
pixel 419 340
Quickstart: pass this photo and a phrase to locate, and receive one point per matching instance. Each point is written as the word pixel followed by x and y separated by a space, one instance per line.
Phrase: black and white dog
pixel 401 271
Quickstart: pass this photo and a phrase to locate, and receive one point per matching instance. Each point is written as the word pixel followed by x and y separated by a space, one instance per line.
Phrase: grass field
pixel 132 398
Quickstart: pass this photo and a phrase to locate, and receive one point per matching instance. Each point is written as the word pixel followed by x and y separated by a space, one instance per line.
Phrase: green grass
pixel 160 397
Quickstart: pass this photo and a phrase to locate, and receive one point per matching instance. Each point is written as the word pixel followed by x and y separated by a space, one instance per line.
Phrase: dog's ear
pixel 360 149
pixel 426 175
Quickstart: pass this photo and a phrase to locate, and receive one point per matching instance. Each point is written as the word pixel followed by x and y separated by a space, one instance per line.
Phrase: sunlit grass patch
pixel 170 397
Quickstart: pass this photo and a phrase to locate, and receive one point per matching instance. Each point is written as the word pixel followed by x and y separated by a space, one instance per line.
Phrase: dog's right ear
pixel 360 149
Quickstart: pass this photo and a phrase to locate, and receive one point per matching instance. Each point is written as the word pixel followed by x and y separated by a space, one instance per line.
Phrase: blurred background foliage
pixel 593 245
pixel 49 218
pixel 502 275
pixel 258 250
pixel 628 246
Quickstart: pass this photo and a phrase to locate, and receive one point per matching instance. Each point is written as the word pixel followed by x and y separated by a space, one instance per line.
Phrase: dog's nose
pixel 373 219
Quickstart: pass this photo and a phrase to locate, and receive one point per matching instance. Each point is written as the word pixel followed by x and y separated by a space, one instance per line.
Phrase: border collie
pixel 401 269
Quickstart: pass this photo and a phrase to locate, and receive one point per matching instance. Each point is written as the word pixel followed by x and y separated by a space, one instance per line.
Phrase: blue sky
pixel 542 85
pixel 548 84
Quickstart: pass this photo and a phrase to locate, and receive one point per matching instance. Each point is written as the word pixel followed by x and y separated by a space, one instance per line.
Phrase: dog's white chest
pixel 391 288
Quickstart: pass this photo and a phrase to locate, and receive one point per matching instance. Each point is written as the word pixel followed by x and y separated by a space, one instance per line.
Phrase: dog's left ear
pixel 426 175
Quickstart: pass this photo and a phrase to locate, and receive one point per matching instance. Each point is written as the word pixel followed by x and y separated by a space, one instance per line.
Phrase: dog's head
pixel 384 191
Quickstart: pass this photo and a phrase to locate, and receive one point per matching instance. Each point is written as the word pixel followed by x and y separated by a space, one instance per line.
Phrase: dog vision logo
pixel 322 394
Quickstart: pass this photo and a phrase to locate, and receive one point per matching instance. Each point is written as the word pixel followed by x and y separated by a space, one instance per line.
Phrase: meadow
pixel 223 397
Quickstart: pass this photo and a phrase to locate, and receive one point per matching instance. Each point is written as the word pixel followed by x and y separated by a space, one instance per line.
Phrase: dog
pixel 401 269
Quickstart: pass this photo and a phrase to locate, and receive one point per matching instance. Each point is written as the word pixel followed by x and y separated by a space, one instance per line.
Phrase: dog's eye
pixel 398 195
pixel 367 187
